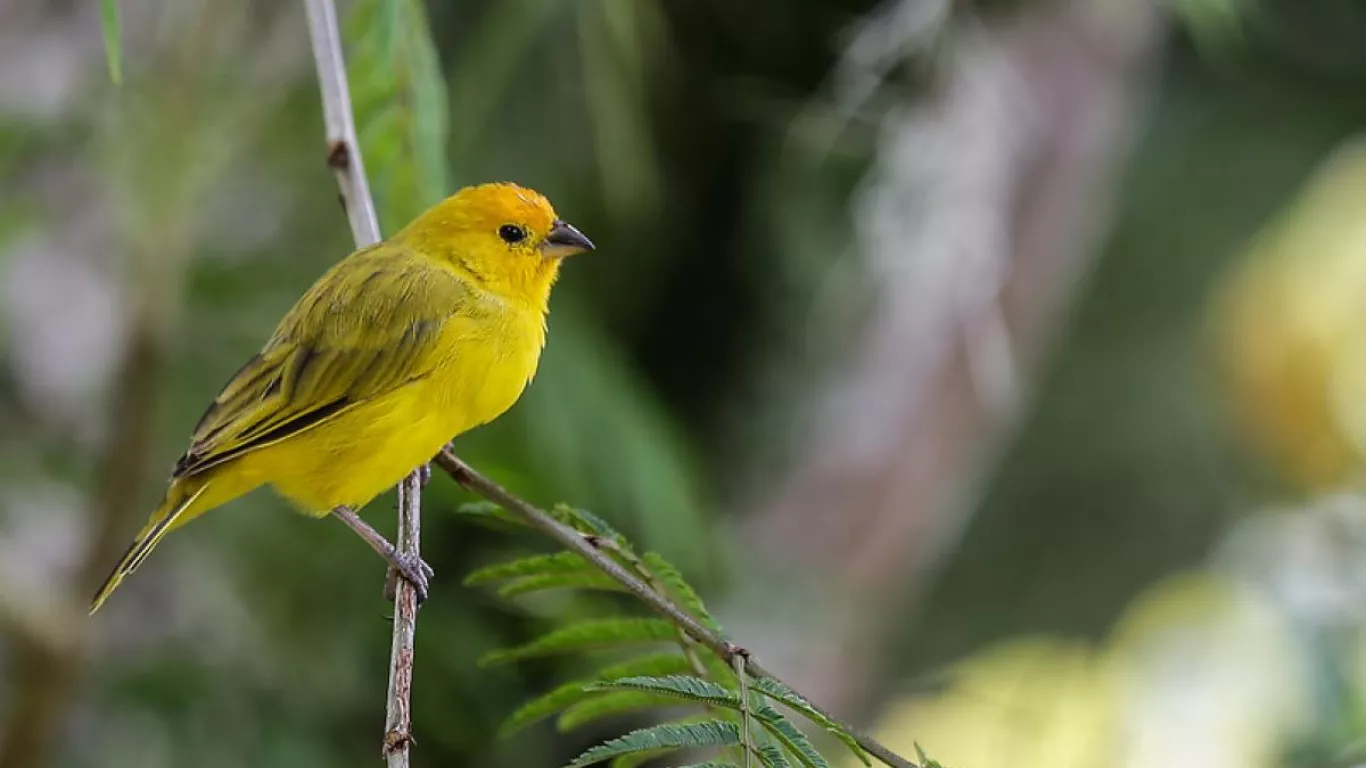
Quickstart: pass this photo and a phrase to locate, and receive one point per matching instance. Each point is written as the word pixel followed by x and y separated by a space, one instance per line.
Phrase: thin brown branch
pixel 344 157
pixel 572 540
pixel 398 722
pixel 343 149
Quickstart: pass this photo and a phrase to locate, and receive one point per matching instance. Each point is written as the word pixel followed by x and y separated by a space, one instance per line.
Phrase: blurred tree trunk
pixel 976 226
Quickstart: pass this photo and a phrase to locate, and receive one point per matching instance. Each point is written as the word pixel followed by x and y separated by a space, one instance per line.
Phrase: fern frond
pixel 491 515
pixel 673 582
pixel 558 564
pixel 684 687
pixel 668 736
pixel 543 583
pixel 790 737
pixel 925 760
pixel 571 693
pixel 562 570
pixel 590 635
pixel 609 705
pixel 771 756
pixel 584 521
pixel 637 759
pixel 791 699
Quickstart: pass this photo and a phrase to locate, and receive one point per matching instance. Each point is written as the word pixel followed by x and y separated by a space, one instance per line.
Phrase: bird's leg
pixel 413 568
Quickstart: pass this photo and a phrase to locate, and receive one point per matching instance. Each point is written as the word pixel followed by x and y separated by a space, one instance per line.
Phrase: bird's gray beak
pixel 564 240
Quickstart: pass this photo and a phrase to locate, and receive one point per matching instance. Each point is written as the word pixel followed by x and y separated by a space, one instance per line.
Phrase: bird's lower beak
pixel 564 240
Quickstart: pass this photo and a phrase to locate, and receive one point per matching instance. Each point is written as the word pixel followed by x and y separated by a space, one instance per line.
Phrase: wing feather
pixel 370 325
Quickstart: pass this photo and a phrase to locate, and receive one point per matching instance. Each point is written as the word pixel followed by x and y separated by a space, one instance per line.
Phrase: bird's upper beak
pixel 564 240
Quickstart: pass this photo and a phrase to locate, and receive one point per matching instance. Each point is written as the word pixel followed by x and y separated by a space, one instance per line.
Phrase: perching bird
pixel 394 351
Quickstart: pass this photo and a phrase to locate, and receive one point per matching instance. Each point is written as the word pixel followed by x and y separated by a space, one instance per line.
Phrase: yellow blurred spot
pixel 1031 703
pixel 1290 327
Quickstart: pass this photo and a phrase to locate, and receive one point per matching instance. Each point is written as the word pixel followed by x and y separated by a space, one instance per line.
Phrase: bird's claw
pixel 424 475
pixel 414 570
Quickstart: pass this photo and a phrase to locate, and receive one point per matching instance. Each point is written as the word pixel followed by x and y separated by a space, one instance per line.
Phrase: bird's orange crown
pixel 504 237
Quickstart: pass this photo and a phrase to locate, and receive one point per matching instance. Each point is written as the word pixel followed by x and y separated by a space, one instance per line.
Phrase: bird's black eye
pixel 511 233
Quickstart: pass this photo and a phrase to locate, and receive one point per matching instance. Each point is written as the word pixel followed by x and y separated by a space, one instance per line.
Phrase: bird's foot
pixel 414 570
pixel 424 475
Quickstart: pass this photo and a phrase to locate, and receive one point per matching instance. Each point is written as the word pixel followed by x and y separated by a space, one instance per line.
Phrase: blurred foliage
pixel 719 293
pixel 738 710
pixel 111 22
pixel 1291 325
pixel 1250 661
pixel 398 96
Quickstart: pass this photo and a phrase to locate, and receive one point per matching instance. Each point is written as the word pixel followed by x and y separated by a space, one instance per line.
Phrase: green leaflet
pixel 591 635
pixel 399 98
pixel 588 580
pixel 111 22
pixel 560 563
pixel 680 589
pixel 776 690
pixel 771 756
pixel 711 764
pixel 668 736
pixel 637 759
pixel 491 515
pixel 573 692
pixel 925 760
pixel 609 705
pixel 685 687
pixel 697 690
pixel 790 736
pixel 584 521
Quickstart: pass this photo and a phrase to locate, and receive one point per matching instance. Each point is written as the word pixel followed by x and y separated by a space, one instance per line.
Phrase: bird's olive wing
pixel 369 326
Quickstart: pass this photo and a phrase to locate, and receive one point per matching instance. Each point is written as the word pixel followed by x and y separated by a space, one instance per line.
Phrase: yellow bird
pixel 394 351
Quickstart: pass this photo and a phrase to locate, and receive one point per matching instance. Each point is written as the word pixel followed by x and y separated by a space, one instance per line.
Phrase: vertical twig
pixel 344 157
pixel 343 150
pixel 398 719
pixel 746 719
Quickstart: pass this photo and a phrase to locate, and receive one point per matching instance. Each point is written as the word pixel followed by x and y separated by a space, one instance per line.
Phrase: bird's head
pixel 505 238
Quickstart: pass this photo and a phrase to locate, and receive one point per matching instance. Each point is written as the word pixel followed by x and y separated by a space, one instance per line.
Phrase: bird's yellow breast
pixel 487 355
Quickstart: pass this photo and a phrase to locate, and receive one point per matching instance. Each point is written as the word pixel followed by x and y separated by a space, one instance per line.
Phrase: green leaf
pixel 399 98
pixel 791 699
pixel 925 760
pixel 771 756
pixel 711 764
pixel 674 582
pixel 637 759
pixel 790 736
pixel 111 21
pixel 684 687
pixel 578 690
pixel 590 579
pixel 490 514
pixel 584 521
pixel 558 564
pixel 668 736
pixel 608 705
pixel 591 635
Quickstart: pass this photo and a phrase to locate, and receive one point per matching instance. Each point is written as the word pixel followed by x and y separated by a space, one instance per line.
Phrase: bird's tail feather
pixel 161 523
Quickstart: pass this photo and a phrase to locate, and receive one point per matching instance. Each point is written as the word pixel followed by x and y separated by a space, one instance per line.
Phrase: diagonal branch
pixel 572 540
pixel 344 157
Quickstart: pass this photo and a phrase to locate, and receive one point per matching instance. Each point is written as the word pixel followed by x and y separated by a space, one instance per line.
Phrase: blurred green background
pixel 992 366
